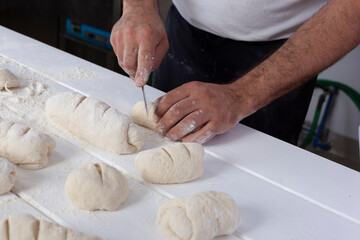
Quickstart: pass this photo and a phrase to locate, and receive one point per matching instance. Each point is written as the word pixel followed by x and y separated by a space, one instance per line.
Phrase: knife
pixel 143 92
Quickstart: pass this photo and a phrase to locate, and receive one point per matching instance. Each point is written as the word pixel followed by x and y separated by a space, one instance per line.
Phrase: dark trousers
pixel 196 55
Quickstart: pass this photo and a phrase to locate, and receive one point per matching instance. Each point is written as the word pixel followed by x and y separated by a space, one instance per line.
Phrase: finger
pixel 175 114
pixel 188 125
pixel 203 135
pixel 145 64
pixel 161 50
pixel 130 60
pixel 165 102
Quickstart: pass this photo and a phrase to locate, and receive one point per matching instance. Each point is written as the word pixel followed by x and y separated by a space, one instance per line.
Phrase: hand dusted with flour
pixel 25 226
pixel 202 216
pixel 24 146
pixel 94 122
pixel 175 163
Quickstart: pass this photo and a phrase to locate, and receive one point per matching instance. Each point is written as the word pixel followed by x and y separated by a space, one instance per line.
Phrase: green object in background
pixel 149 82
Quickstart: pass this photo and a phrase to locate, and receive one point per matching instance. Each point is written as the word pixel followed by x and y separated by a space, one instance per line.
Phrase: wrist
pixel 134 5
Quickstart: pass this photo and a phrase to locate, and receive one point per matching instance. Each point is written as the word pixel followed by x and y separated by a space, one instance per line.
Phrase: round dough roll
pixel 25 226
pixel 8 79
pixel 94 122
pixel 202 216
pixel 96 187
pixel 138 115
pixel 7 176
pixel 24 146
pixel 175 163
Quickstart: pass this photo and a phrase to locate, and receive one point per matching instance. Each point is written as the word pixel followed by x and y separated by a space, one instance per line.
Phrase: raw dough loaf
pixel 175 163
pixel 8 79
pixel 96 187
pixel 138 115
pixel 7 176
pixel 94 122
pixel 26 227
pixel 24 146
pixel 202 216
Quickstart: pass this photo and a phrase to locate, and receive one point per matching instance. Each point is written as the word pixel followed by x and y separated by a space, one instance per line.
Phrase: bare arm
pixel 321 41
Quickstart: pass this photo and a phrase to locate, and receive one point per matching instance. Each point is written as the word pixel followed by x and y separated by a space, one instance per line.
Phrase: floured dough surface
pixel 8 79
pixel 202 216
pixel 94 122
pixel 7 176
pixel 24 146
pixel 96 187
pixel 26 227
pixel 175 163
pixel 139 116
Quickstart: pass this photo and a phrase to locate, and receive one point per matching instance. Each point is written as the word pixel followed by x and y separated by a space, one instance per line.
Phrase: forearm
pixel 318 43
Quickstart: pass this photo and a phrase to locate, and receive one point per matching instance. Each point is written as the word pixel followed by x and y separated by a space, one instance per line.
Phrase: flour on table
pixel 202 216
pixel 174 163
pixel 7 175
pixel 96 187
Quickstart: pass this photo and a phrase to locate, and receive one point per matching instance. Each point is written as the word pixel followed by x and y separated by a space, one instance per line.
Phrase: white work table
pixel 282 191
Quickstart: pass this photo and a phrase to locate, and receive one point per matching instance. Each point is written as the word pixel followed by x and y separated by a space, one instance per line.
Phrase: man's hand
pixel 139 40
pixel 197 111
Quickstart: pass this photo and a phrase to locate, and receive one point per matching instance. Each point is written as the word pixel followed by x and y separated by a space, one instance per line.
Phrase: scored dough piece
pixel 7 176
pixel 8 79
pixel 202 216
pixel 96 187
pixel 26 227
pixel 95 122
pixel 138 115
pixel 175 163
pixel 24 146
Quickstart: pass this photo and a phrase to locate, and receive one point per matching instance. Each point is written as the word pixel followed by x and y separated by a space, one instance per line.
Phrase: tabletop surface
pixel 281 191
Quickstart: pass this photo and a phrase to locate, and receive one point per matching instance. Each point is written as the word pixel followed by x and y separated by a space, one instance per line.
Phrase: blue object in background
pixel 89 34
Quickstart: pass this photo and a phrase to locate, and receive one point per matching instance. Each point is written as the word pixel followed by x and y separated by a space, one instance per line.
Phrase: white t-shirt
pixel 248 20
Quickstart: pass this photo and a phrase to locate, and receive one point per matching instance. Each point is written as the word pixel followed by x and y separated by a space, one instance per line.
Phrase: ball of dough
pixel 94 122
pixel 202 216
pixel 8 79
pixel 25 226
pixel 139 116
pixel 175 163
pixel 7 175
pixel 96 187
pixel 24 146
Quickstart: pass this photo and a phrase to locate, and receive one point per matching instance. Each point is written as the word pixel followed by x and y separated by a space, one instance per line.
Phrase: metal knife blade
pixel 146 108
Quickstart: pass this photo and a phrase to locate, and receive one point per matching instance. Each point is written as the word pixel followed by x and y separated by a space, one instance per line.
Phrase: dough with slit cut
pixel 96 187
pixel 24 146
pixel 8 79
pixel 7 176
pixel 26 227
pixel 139 116
pixel 202 216
pixel 174 163
pixel 94 122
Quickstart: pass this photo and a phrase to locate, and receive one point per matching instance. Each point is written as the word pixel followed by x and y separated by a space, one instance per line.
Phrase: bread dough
pixel 138 115
pixel 96 187
pixel 202 216
pixel 7 176
pixel 26 227
pixel 8 79
pixel 175 163
pixel 24 146
pixel 94 122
